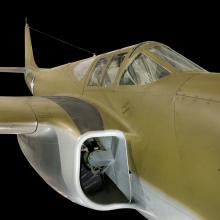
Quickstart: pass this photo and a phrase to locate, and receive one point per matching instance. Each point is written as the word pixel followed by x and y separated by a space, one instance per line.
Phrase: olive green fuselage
pixel 171 126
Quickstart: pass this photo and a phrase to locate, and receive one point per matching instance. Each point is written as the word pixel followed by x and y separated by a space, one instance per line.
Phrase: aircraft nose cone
pixel 197 121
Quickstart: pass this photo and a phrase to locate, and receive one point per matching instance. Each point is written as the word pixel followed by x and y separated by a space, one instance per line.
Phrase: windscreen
pixel 175 59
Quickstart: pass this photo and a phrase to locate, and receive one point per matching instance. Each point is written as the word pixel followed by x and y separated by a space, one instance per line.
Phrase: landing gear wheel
pixel 90 181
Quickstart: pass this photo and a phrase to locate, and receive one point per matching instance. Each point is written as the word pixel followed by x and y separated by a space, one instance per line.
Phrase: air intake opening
pixel 104 172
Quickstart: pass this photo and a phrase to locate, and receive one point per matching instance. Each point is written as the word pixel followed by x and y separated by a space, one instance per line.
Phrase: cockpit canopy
pixel 140 65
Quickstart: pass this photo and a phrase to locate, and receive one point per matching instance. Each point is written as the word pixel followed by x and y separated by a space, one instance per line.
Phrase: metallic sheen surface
pixel 168 130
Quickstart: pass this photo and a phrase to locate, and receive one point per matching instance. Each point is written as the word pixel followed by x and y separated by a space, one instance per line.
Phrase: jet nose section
pixel 197 128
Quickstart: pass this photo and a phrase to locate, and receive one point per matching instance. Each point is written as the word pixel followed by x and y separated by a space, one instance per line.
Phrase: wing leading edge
pixel 16 116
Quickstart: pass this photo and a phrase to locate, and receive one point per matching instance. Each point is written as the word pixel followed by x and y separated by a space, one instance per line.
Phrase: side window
pixel 127 79
pixel 156 70
pixel 142 71
pixel 97 73
pixel 113 69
